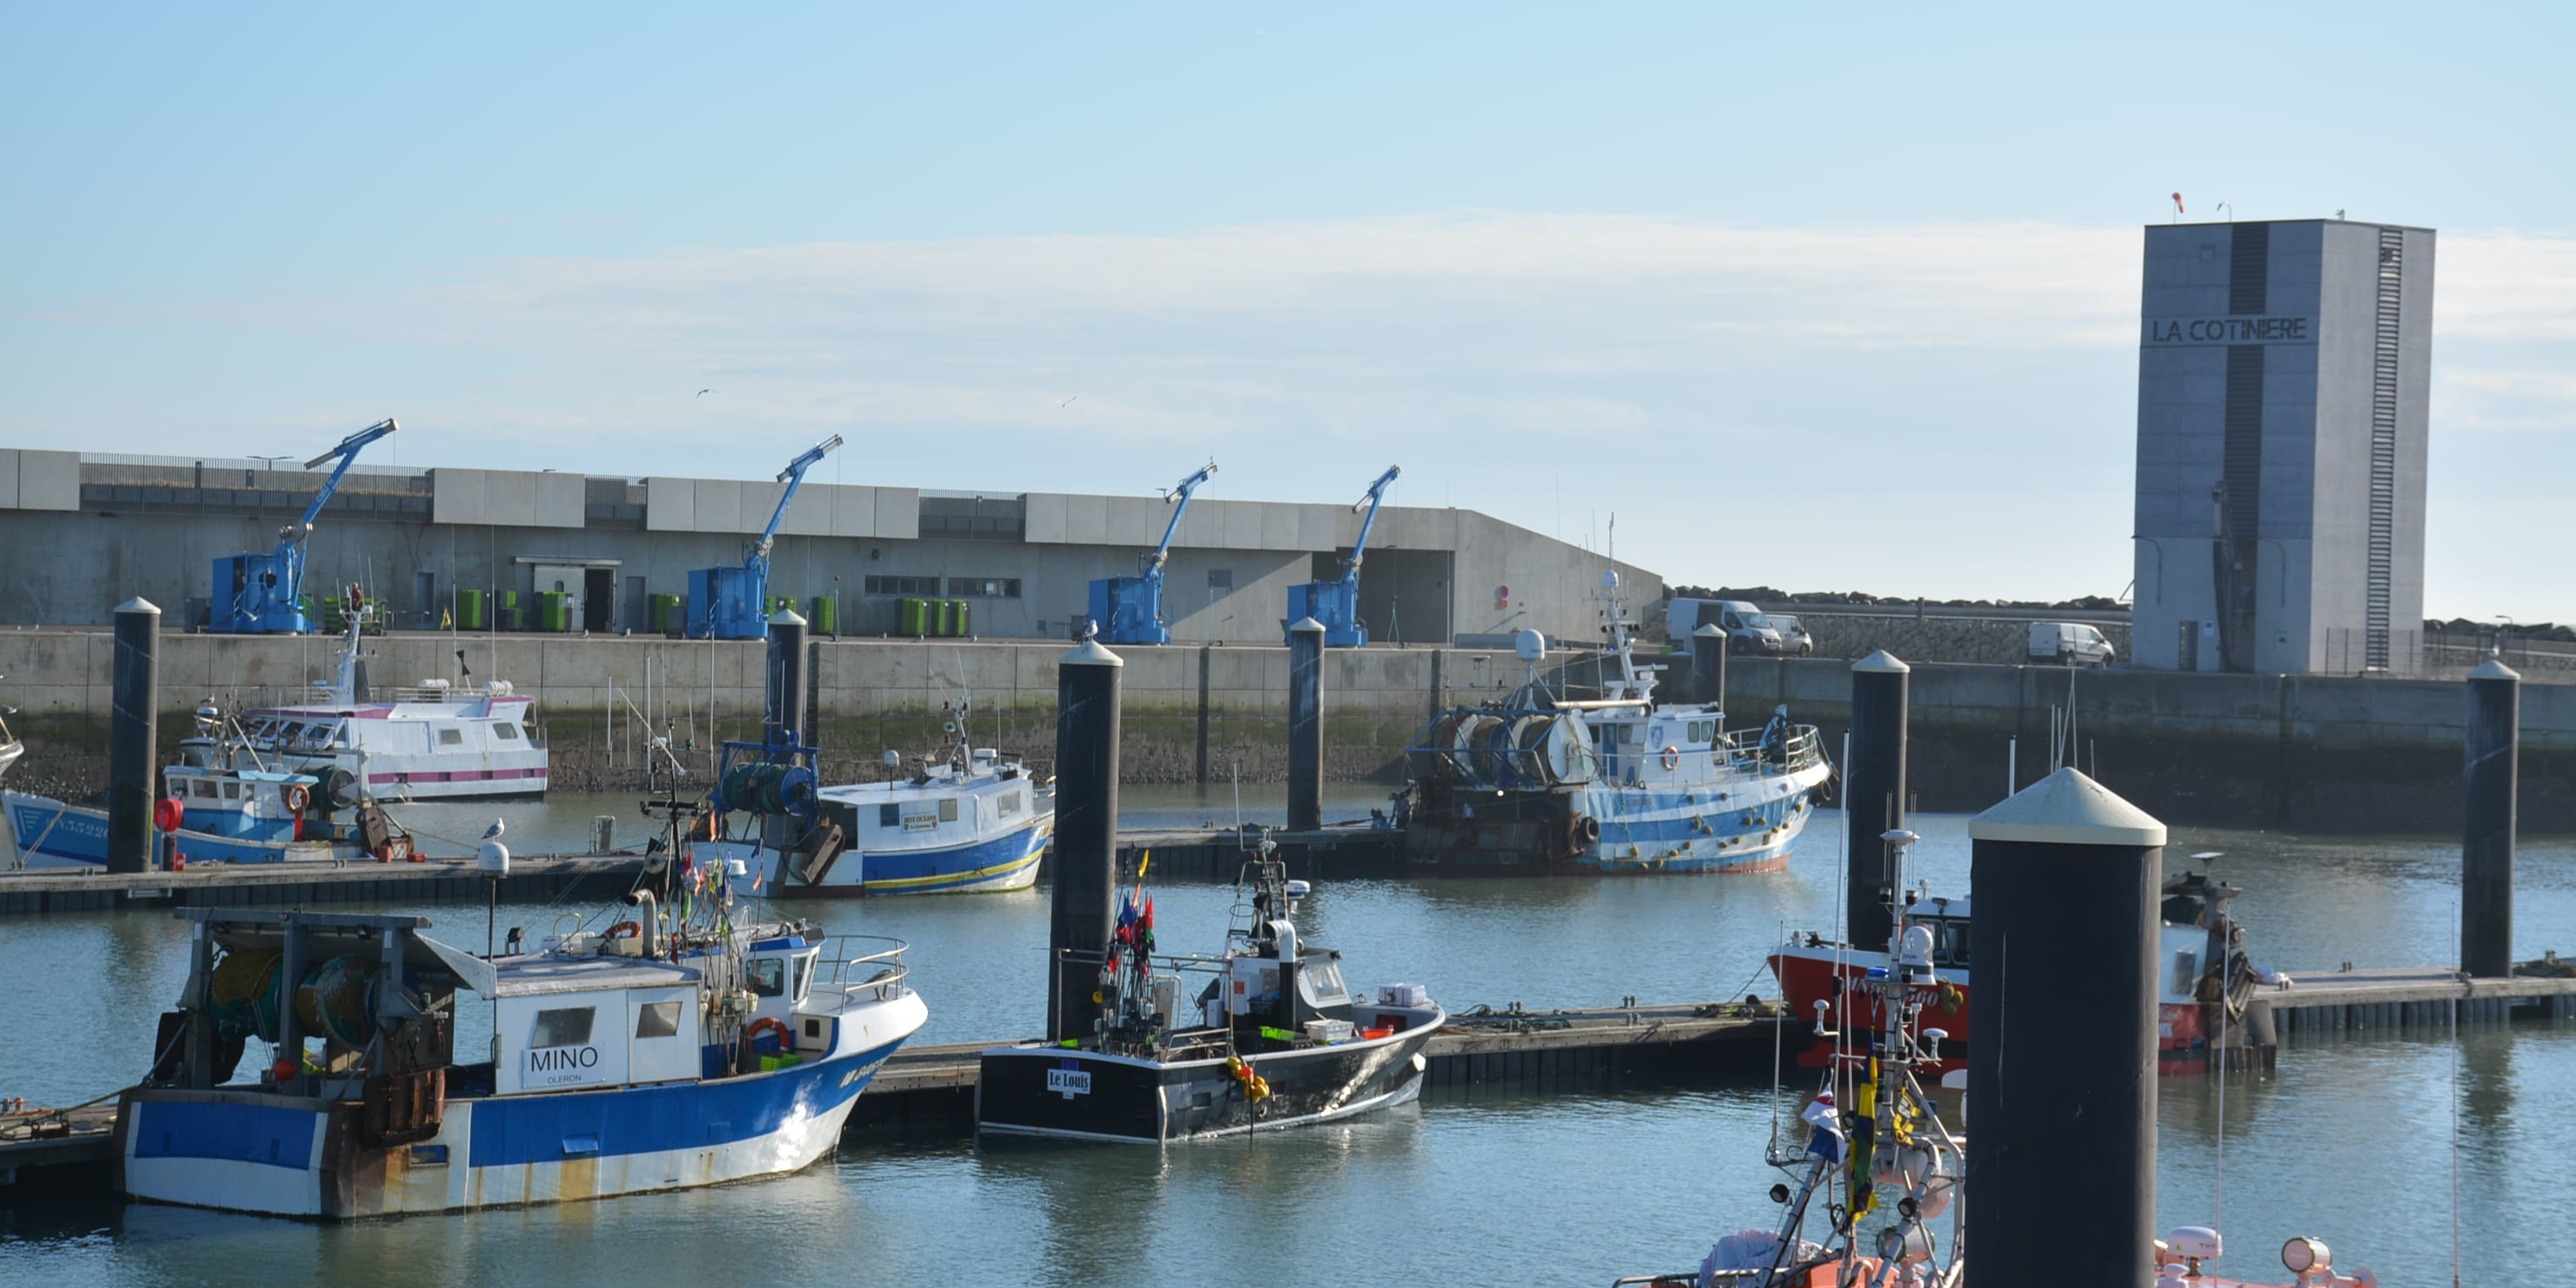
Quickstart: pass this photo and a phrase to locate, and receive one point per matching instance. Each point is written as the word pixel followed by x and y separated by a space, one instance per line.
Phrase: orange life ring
pixel 296 797
pixel 625 929
pixel 1672 756
pixel 768 1023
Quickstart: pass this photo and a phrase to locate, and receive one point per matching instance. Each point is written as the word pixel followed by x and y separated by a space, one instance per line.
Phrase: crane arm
pixel 1359 549
pixel 793 476
pixel 1180 496
pixel 347 452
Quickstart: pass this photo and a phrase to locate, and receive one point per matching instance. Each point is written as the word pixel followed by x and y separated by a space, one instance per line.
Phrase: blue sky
pixel 1823 298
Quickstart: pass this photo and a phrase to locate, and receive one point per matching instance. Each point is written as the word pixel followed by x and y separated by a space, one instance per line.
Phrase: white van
pixel 2069 644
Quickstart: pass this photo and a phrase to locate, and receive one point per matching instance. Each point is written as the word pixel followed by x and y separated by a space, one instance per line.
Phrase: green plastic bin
pixel 943 617
pixel 554 611
pixel 912 615
pixel 965 623
pixel 827 615
pixel 513 614
pixel 469 609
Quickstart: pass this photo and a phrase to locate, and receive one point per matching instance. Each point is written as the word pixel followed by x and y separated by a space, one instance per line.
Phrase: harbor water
pixel 2361 1140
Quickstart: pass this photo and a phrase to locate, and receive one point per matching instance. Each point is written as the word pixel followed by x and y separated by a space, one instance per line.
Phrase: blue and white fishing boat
pixel 664 1051
pixel 230 804
pixel 1617 784
pixel 962 820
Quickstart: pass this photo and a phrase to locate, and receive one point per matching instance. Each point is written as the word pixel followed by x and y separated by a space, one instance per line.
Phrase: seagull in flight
pixel 702 393
pixel 493 833
pixel 1066 403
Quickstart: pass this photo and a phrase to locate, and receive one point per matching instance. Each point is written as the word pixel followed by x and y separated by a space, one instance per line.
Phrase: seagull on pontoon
pixel 493 833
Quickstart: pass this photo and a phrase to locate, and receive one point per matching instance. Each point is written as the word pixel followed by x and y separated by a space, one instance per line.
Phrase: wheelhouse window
pixel 451 737
pixel 657 1020
pixel 768 976
pixel 889 815
pixel 569 1026
pixel 803 966
pixel 203 790
pixel 947 809
pixel 1007 804
pixel 505 732
pixel 232 790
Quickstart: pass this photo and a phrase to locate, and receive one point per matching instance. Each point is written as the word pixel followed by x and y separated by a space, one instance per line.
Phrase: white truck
pixel 1747 630
pixel 2069 644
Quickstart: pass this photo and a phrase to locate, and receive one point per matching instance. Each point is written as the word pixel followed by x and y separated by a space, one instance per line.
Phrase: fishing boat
pixel 1546 782
pixel 961 820
pixel 225 804
pixel 683 1045
pixel 1275 1038
pixel 433 741
pixel 2201 948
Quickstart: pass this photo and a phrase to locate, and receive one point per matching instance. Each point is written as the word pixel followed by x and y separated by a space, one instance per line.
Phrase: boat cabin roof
pixel 533 973
pixel 1938 906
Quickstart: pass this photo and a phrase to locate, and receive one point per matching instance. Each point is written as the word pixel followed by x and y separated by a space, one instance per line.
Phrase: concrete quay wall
pixel 1191 711
pixel 2318 753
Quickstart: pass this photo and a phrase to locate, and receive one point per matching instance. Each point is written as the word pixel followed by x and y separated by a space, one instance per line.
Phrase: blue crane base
pixel 1335 605
pixel 254 595
pixel 1129 610
pixel 725 604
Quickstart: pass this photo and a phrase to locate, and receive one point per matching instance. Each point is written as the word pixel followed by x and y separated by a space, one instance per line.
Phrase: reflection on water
pixel 2349 1141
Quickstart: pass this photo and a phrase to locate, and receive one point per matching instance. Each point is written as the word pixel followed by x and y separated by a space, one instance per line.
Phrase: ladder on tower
pixel 2381 569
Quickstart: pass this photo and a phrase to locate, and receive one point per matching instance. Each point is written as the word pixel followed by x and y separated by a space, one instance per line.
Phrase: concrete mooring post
pixel 1874 794
pixel 1087 694
pixel 2494 785
pixel 1708 665
pixel 2062 1035
pixel 1305 725
pixel 133 735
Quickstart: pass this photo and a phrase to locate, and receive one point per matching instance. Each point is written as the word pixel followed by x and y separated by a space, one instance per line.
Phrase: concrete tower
pixel 2282 375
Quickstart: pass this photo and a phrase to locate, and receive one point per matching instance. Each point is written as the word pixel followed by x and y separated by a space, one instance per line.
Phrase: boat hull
pixel 1731 828
pixel 249 1151
pixel 1008 861
pixel 1092 1096
pixel 50 834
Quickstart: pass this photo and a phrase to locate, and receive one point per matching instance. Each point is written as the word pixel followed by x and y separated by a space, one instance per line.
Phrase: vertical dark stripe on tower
pixel 2243 444
pixel 2249 263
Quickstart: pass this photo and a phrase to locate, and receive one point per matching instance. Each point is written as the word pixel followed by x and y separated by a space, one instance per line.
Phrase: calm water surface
pixel 2352 1140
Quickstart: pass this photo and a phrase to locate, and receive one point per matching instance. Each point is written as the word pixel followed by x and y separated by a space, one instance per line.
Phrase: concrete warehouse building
pixel 2282 380
pixel 85 532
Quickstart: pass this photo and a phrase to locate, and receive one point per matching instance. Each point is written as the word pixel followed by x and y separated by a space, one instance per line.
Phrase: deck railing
pixel 876 961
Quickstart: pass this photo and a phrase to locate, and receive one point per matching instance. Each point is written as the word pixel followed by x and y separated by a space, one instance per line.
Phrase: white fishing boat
pixel 663 1051
pixel 433 741
pixel 960 820
pixel 1618 784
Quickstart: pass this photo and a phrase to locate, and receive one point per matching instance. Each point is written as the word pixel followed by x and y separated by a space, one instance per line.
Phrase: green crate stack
pixel 335 614
pixel 512 618
pixel 469 610
pixel 553 611
pixel 913 616
pixel 827 615
pixel 670 613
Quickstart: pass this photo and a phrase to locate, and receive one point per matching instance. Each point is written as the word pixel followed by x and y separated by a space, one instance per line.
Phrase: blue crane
pixel 262 592
pixel 1129 610
pixel 1336 604
pixel 733 603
